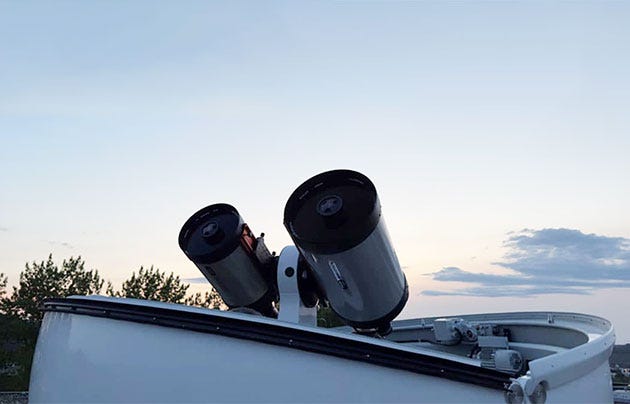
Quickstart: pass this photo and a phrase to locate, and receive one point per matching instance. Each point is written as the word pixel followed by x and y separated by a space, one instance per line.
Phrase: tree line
pixel 20 316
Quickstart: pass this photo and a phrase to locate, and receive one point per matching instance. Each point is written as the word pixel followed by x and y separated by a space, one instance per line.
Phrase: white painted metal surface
pixel 621 396
pixel 86 359
pixel 81 358
pixel 293 309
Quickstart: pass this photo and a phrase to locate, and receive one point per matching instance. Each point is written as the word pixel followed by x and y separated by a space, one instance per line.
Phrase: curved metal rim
pixel 286 336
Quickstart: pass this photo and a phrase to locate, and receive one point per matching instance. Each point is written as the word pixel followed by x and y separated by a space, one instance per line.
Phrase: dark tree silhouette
pixel 153 284
pixel 46 279
pixel 3 285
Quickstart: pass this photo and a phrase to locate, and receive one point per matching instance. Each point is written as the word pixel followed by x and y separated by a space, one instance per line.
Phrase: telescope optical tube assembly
pixel 335 221
pixel 223 247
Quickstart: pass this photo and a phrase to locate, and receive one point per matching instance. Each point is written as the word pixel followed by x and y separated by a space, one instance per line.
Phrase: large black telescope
pixel 335 221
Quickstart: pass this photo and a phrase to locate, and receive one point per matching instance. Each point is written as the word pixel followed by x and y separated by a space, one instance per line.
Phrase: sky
pixel 497 135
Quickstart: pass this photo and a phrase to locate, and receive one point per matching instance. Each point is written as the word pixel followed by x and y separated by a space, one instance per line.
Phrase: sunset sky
pixel 497 135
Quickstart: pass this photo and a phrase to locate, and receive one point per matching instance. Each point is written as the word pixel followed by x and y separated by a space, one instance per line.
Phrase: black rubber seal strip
pixel 286 336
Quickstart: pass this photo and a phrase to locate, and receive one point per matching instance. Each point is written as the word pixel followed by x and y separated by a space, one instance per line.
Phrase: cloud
pixel 548 261
pixel 62 243
pixel 3 229
pixel 510 291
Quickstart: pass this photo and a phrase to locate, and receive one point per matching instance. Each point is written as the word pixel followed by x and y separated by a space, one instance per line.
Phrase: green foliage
pixel 152 284
pixel 3 286
pixel 48 280
pixel 17 344
pixel 327 318
pixel 210 300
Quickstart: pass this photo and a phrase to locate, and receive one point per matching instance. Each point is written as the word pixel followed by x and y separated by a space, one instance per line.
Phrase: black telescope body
pixel 335 221
pixel 223 247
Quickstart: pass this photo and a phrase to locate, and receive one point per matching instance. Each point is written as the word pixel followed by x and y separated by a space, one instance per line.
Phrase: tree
pixel 327 318
pixel 152 284
pixel 3 286
pixel 210 300
pixel 17 345
pixel 48 280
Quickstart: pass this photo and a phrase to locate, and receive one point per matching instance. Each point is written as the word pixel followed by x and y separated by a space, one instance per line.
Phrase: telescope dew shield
pixel 221 245
pixel 335 221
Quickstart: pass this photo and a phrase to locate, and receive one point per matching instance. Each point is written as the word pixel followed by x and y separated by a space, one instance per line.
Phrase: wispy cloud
pixel 548 261
pixel 509 291
pixel 61 243
pixel 3 229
